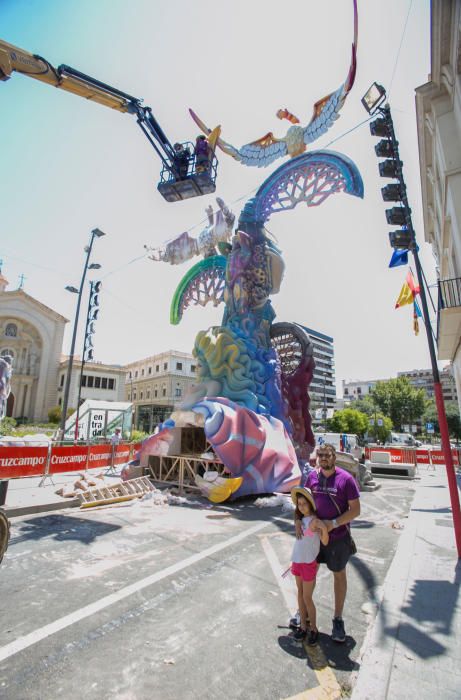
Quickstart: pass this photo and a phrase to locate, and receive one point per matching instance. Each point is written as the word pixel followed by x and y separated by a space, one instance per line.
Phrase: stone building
pixel 156 385
pixel 438 109
pixel 32 334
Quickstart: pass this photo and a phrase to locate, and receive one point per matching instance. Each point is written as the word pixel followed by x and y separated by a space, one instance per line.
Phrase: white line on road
pixel 63 622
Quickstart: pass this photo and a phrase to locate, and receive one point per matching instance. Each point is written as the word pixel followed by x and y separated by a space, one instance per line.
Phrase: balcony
pixel 449 317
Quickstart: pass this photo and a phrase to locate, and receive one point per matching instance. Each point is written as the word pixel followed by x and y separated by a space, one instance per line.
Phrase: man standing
pixel 337 503
pixel 116 437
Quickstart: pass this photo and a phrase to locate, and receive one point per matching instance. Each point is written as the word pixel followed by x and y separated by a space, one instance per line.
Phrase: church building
pixel 32 334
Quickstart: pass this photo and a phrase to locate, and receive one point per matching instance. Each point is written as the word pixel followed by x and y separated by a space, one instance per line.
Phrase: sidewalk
pixel 413 650
pixel 26 497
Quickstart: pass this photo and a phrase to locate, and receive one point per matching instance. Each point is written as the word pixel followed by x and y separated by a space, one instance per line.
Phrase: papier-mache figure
pixel 6 370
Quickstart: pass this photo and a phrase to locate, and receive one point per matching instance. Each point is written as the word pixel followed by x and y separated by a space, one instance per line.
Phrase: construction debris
pixel 115 493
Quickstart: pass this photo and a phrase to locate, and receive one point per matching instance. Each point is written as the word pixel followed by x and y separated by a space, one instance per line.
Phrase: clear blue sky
pixel 69 165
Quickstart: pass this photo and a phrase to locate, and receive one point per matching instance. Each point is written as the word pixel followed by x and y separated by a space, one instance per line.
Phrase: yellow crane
pixel 174 185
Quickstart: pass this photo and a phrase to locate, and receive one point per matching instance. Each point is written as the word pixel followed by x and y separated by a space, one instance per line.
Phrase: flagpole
pixel 443 424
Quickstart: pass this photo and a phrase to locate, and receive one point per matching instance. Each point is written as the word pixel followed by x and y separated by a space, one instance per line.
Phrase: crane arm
pixel 14 59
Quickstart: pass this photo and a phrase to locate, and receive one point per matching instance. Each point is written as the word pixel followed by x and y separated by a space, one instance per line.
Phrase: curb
pixel 16 512
pixel 377 657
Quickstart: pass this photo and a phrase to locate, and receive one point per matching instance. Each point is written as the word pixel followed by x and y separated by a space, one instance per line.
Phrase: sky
pixel 69 165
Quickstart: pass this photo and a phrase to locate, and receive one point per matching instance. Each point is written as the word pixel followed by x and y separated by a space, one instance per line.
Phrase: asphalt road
pixel 142 601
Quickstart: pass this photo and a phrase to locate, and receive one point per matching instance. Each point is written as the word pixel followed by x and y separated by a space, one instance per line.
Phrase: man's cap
pixel 302 491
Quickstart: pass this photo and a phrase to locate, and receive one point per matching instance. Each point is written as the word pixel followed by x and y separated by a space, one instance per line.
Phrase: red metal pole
pixel 449 466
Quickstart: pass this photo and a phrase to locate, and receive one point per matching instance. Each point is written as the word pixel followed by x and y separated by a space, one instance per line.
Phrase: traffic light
pixel 93 313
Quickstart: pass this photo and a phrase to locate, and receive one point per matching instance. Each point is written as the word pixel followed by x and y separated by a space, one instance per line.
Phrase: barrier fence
pixel 414 455
pixel 18 462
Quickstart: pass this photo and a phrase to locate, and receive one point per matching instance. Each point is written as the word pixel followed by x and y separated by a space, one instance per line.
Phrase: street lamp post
pixel 96 233
pixel 372 102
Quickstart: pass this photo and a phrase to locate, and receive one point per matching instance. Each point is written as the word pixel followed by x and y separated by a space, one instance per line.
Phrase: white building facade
pixel 438 108
pixel 99 381
pixel 322 390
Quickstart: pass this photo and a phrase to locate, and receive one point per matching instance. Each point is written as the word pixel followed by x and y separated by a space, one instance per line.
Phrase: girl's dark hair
pixel 298 514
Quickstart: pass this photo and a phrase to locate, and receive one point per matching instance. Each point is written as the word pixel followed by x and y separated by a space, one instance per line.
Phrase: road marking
pixel 37 635
pixel 329 688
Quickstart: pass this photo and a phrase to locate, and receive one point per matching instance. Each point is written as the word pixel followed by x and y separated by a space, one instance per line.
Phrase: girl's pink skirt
pixel 307 572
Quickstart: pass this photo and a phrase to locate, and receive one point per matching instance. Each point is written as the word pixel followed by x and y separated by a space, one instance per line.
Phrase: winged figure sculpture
pixel 265 150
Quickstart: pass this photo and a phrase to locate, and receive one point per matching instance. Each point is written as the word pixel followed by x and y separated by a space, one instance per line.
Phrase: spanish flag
pixel 408 292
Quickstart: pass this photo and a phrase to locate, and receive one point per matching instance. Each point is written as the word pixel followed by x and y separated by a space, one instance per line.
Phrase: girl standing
pixel 304 565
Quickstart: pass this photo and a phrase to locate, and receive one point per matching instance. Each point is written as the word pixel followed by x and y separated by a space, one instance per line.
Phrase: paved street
pixel 143 601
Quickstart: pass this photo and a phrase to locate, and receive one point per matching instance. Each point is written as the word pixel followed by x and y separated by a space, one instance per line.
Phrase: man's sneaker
pixel 313 638
pixel 299 635
pixel 295 621
pixel 338 633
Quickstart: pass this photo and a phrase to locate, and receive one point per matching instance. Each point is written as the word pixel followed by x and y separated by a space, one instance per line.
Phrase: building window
pixel 150 370
pixel 62 380
pixel 178 391
pixel 359 390
pixel 134 396
pixel 142 372
pixel 192 368
pixel 163 392
pixel 104 383
pixel 129 397
pixel 157 368
pixel 140 395
pixel 111 384
pixel 346 392
pixel 155 394
pixel 59 402
pixel 165 365
pixel 148 395
pixel 179 365
pixel 136 374
pixel 11 330
pixel 6 352
pixel 90 381
pixel 97 382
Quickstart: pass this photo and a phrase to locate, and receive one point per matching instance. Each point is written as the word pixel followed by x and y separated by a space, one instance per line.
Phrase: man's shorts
pixel 307 572
pixel 335 554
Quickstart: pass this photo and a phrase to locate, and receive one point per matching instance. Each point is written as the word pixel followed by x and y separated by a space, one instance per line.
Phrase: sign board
pixel 430 427
pixel 380 422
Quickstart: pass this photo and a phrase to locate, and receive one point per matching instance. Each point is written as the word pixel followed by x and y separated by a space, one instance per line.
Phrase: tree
pixel 365 405
pixel 400 401
pixel 348 421
pixel 380 427
pixel 453 418
pixel 55 413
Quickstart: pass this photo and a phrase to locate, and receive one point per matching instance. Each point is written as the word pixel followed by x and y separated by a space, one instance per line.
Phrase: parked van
pixel 343 442
pixel 403 439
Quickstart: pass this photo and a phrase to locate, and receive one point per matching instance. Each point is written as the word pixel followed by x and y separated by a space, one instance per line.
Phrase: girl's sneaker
pixel 313 638
pixel 299 635
pixel 295 621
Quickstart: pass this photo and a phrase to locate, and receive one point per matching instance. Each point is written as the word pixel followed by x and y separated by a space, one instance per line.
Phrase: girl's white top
pixel 306 549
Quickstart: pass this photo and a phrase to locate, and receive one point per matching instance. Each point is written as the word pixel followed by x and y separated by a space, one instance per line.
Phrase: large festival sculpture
pixel 251 394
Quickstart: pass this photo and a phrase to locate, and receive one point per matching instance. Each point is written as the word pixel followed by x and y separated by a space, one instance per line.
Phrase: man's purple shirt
pixel 343 488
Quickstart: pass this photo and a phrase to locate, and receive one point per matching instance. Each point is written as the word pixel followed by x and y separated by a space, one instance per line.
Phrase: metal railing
pixel 449 296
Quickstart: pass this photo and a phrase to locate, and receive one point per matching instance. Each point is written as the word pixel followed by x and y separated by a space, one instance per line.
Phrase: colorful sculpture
pixel 252 374
pixel 265 150
pixel 6 370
